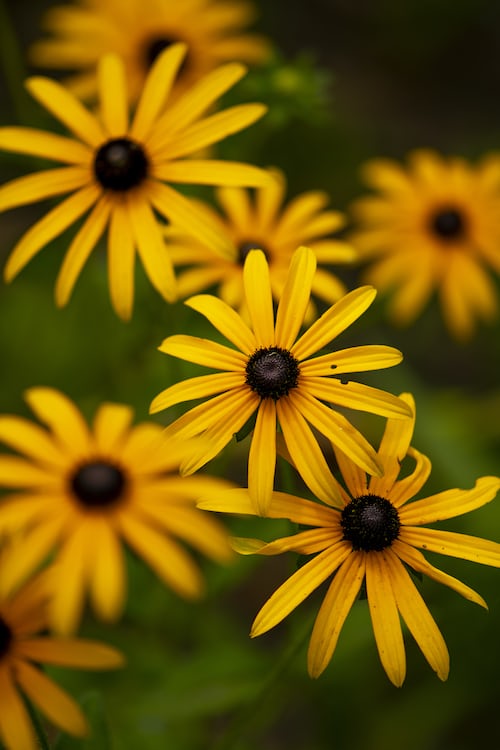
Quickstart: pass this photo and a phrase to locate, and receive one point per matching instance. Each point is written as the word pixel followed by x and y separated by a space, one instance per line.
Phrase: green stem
pixel 37 726
pixel 245 718
pixel 11 60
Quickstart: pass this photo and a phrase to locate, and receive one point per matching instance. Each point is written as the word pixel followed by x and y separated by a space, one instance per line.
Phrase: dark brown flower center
pixel 370 523
pixel 155 46
pixel 98 484
pixel 245 247
pixel 448 224
pixel 121 164
pixel 272 372
pixel 6 638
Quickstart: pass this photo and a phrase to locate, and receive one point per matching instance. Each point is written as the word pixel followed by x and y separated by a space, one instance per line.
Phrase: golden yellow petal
pixel 15 725
pixel 297 588
pixel 354 359
pixel 69 578
pixel 450 503
pixel 237 206
pixel 336 605
pixel 354 477
pixel 192 388
pixel 113 99
pixel 204 352
pixel 294 299
pixel 67 109
pixel 259 297
pixel 385 618
pixel 18 472
pixel 268 201
pixel 417 617
pixel 42 185
pixel 356 396
pixel 51 699
pixel 452 544
pixel 71 652
pixel 308 542
pixel 36 545
pixel 62 417
pixel 334 321
pixel 46 145
pixel 27 438
pixel 299 211
pixel 121 262
pixel 212 172
pixel 226 320
pixel 262 457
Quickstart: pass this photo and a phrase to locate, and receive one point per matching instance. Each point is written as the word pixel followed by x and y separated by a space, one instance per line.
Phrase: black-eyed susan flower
pixel 262 221
pixel 138 30
pixel 271 374
pixel 23 649
pixel 433 228
pixel 120 173
pixel 84 494
pixel 372 535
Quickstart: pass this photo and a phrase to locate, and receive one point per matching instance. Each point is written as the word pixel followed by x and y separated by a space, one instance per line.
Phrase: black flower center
pixel 370 523
pixel 448 224
pixel 245 247
pixel 121 164
pixel 6 638
pixel 272 372
pixel 98 484
pixel 155 46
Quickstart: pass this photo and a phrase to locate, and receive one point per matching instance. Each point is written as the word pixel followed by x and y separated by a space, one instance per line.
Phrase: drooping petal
pixel 385 618
pixel 259 297
pixel 308 542
pixel 450 503
pixel 334 321
pixel 295 297
pixel 262 457
pixel 356 396
pixel 298 587
pixel 307 455
pixel 226 320
pixel 417 617
pixel 54 702
pixel 80 249
pixel 417 561
pixel 68 109
pixel 336 605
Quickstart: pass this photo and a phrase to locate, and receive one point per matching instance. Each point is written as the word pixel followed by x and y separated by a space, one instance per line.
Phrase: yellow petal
pixel 107 585
pixel 26 437
pixel 15 725
pixel 262 457
pixel 450 503
pixel 204 352
pixel 42 185
pixel 46 145
pixel 354 477
pixel 200 387
pixel 334 321
pixel 337 603
pixel 113 96
pixel 297 588
pixel 385 618
pixel 356 396
pixel 452 544
pixel 62 417
pixel 71 652
pixel 269 199
pixel 121 262
pixel 69 581
pixel 408 487
pixel 226 320
pixel 259 298
pixel 212 172
pixel 294 299
pixel 355 359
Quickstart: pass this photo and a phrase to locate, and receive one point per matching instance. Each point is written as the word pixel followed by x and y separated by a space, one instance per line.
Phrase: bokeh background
pixel 355 79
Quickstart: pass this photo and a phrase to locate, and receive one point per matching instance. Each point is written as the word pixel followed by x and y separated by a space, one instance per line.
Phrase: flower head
pixel 138 30
pixel 271 374
pixel 264 223
pixel 371 536
pixel 434 228
pixel 84 492
pixel 23 618
pixel 119 173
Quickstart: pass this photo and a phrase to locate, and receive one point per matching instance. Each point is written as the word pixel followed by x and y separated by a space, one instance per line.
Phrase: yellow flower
pixel 120 172
pixel 435 227
pixel 83 492
pixel 138 30
pixel 23 617
pixel 370 537
pixel 271 374
pixel 275 229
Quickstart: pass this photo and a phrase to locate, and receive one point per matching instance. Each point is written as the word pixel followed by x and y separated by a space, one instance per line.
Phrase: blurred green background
pixel 354 80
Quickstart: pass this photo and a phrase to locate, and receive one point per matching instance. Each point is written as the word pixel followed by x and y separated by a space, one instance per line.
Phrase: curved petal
pixel 80 249
pixel 417 617
pixel 262 457
pixel 354 477
pixel 295 297
pixel 298 587
pixel 452 544
pixel 450 503
pixel 49 227
pixel 356 396
pixel 385 618
pixel 337 603
pixel 259 297
pixel 53 701
pixel 226 320
pixel 68 109
pixel 408 487
pixel 63 418
pixel 335 320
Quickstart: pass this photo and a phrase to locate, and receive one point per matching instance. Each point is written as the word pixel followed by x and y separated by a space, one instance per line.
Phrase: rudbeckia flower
pixel 138 30
pixel 272 375
pixel 119 173
pixel 263 221
pixel 372 536
pixel 433 228
pixel 84 494
pixel 23 649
